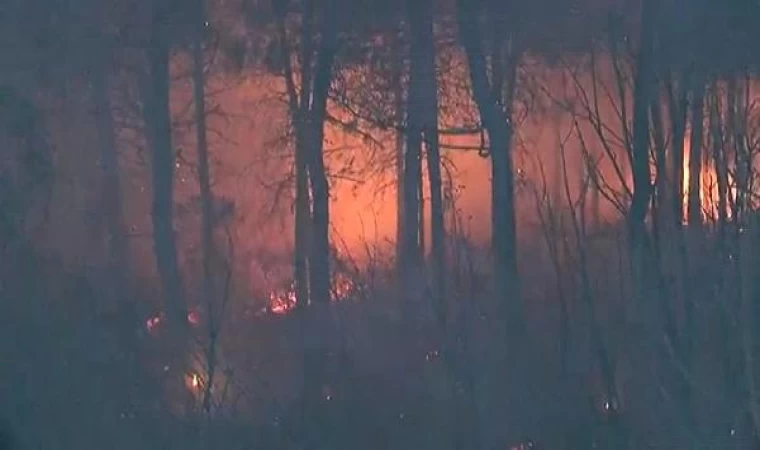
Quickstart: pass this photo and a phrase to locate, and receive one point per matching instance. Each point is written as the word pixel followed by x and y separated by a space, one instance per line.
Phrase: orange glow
pixel 194 318
pixel 708 186
pixel 342 287
pixel 193 381
pixel 153 322
pixel 282 301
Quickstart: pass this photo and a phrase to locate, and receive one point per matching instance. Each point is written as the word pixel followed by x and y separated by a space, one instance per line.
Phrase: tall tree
pixel 319 267
pixel 204 180
pixel 413 239
pixel 493 82
pixel 157 116
pixel 307 93
pixel 399 113
pixel 423 114
pixel 307 89
pixel 493 96
pixel 643 94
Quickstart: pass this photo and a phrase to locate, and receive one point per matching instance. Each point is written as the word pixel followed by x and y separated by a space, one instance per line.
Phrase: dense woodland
pixel 174 273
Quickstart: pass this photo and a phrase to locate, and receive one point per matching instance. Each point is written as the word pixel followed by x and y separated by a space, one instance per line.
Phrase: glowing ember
pixel 194 318
pixel 708 190
pixel 528 445
pixel 327 392
pixel 342 287
pixel 193 381
pixel 431 355
pixel 153 322
pixel 611 406
pixel 281 301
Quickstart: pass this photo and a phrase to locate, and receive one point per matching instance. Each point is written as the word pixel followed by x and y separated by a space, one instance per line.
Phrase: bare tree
pixel 413 239
pixel 644 90
pixel 399 117
pixel 423 118
pixel 157 118
pixel 204 180
pixel 307 93
pixel 494 96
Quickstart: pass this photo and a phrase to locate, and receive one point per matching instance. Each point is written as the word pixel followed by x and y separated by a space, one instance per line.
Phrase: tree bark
pixel 678 102
pixel 495 114
pixel 424 66
pixel 493 98
pixel 644 88
pixel 319 266
pixel 302 224
pixel 678 107
pixel 157 118
pixel 204 176
pixel 298 111
pixel 320 326
pixel 694 203
pixel 720 160
pixel 412 211
pixel 206 196
pixel 399 117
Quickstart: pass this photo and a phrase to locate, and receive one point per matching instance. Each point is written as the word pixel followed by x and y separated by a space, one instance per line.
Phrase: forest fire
pixel 709 195
pixel 283 301
pixel 479 201
pixel 154 323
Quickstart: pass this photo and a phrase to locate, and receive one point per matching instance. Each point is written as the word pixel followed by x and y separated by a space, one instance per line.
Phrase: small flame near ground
pixel 193 381
pixel 282 301
pixel 194 318
pixel 153 323
pixel 527 445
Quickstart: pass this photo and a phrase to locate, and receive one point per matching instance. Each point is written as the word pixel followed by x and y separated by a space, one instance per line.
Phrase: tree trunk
pixel 298 111
pixel 694 203
pixel 157 117
pixel 694 220
pixel 720 160
pixel 207 199
pixel 644 87
pixel 320 326
pixel 678 106
pixel 737 129
pixel 412 211
pixel 495 115
pixel 319 264
pixel 424 65
pixel 662 180
pixel 512 358
pixel 399 116
pixel 308 111
pixel 302 222
pixel 204 176
pixel 661 225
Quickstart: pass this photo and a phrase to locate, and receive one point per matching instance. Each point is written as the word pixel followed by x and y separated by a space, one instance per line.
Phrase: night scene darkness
pixel 379 224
